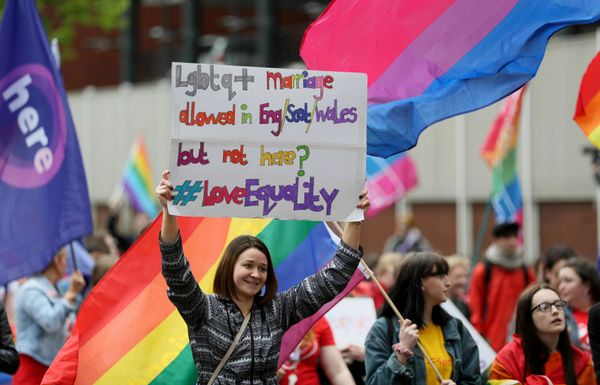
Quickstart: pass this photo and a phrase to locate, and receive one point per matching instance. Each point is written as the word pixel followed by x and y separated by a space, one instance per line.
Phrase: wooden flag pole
pixel 336 228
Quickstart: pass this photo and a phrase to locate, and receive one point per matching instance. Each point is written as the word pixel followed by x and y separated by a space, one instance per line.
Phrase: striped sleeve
pixel 183 290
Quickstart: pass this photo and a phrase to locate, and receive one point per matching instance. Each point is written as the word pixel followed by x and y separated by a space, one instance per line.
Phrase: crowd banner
pixel 267 142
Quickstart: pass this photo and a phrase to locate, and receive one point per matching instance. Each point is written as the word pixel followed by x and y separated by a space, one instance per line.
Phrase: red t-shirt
pixel 303 362
pixel 370 289
pixel 581 318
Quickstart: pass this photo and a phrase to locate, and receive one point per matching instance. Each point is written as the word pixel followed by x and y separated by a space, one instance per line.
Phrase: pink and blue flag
pixel 388 180
pixel 429 60
pixel 45 200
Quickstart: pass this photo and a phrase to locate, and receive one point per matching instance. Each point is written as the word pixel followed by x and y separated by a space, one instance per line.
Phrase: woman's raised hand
pixel 164 193
pixel 164 190
pixel 364 202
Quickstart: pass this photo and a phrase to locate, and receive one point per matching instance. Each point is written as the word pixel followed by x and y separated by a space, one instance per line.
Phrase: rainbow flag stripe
pixel 389 179
pixel 500 153
pixel 587 111
pixel 137 180
pixel 429 60
pixel 127 331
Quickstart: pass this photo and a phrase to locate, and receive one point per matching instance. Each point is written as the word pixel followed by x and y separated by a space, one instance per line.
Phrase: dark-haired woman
pixel 245 287
pixel 579 286
pixel 541 350
pixel 391 352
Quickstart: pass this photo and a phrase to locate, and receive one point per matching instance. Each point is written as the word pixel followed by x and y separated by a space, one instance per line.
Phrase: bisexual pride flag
pixel 44 196
pixel 388 180
pixel 429 60
pixel 128 332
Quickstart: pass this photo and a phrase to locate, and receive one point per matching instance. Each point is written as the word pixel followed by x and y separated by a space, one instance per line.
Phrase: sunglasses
pixel 546 307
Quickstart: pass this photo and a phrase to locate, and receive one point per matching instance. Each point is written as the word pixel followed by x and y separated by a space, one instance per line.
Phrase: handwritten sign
pixel 351 319
pixel 264 142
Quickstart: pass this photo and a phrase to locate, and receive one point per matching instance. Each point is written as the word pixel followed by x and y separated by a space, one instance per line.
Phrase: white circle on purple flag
pixel 17 167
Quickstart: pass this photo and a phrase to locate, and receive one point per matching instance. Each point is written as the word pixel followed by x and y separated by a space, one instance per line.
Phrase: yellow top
pixel 432 340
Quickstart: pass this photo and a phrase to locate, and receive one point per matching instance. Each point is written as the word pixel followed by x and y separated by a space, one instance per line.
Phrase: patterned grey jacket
pixel 213 321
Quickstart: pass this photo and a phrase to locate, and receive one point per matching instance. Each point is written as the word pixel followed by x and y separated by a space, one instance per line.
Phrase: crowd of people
pixel 543 321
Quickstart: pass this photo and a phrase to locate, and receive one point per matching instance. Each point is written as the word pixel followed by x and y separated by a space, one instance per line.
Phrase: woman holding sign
pixel 392 355
pixel 235 334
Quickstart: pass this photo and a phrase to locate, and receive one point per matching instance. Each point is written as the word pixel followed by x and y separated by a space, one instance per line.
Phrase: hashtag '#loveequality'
pixel 186 192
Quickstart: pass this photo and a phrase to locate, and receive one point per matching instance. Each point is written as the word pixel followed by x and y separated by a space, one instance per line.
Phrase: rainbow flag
pixel 137 179
pixel 500 153
pixel 587 111
pixel 429 60
pixel 389 179
pixel 128 332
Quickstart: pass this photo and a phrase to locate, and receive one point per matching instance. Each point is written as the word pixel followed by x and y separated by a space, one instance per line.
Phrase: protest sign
pixel 349 325
pixel 263 142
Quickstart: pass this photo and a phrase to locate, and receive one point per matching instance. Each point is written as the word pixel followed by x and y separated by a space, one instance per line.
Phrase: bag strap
pixel 486 283
pixel 230 350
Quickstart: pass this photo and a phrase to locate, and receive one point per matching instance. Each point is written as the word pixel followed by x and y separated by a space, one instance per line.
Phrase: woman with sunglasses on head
pixel 541 350
pixel 391 352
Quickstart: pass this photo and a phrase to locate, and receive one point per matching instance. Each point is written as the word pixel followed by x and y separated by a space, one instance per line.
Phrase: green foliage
pixel 61 16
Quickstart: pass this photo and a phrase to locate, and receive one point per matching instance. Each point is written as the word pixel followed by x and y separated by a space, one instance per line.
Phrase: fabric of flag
pixel 388 180
pixel 85 261
pixel 128 332
pixel 500 153
pixel 587 111
pixel 429 60
pixel 45 200
pixel 137 180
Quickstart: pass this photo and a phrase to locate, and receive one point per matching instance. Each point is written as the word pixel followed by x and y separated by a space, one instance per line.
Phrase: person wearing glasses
pixel 541 352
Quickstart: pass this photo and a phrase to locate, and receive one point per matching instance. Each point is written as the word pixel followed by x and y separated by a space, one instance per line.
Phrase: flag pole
pixel 337 230
pixel 73 259
pixel 485 220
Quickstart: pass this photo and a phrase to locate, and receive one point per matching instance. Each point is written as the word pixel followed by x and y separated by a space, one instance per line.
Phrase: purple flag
pixel 45 201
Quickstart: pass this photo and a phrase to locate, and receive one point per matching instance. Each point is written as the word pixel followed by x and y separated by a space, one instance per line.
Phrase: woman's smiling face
pixel 250 273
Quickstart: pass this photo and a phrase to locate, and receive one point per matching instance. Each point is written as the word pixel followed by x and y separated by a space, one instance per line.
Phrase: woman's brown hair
pixel 536 353
pixel 224 286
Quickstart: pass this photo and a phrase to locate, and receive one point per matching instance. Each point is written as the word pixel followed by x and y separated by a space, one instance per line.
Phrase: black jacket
pixel 9 358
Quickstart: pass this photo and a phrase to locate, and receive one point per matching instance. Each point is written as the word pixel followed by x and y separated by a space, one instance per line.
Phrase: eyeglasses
pixel 546 307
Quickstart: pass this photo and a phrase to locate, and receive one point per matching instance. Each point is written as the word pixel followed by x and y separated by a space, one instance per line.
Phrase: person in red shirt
pixel 579 285
pixel 496 283
pixel 317 348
